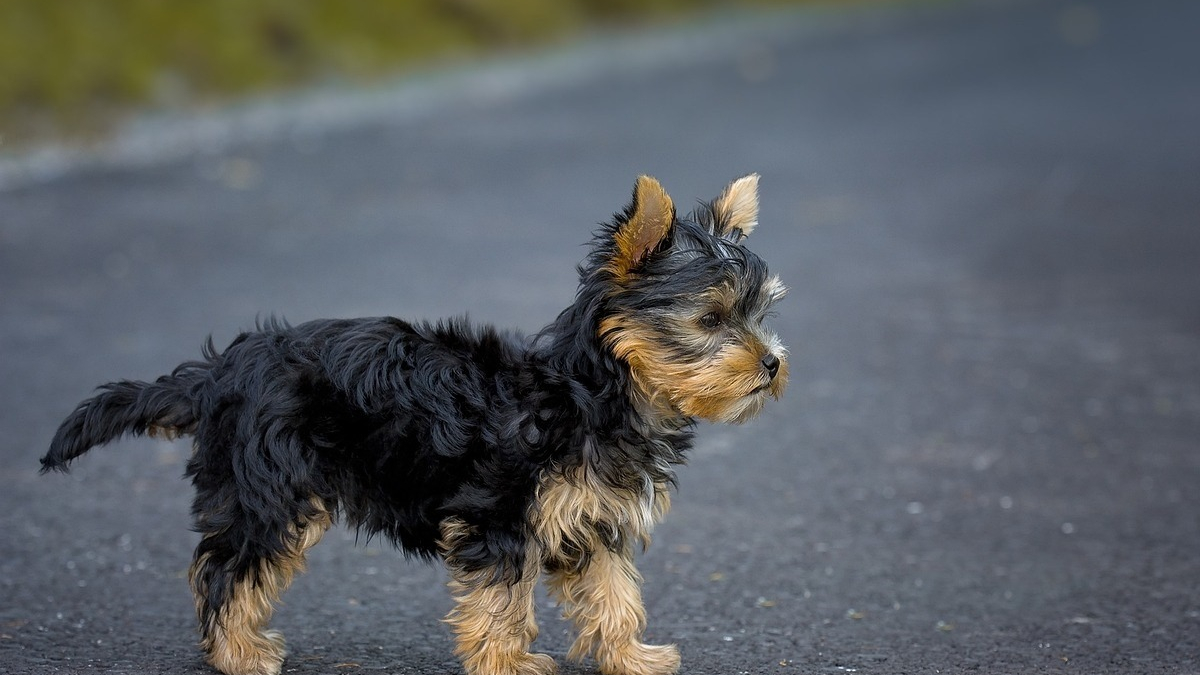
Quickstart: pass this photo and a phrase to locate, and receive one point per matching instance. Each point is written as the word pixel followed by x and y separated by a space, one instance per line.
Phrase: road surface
pixel 988 214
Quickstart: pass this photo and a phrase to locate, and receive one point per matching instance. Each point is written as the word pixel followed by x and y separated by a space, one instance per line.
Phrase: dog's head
pixel 686 304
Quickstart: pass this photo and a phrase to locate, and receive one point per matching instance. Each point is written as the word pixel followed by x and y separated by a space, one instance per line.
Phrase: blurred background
pixel 79 67
pixel 987 211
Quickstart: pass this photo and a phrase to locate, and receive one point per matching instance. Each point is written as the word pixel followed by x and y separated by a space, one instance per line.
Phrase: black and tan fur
pixel 507 457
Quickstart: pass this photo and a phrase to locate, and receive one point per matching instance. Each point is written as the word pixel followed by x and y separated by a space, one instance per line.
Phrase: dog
pixel 506 457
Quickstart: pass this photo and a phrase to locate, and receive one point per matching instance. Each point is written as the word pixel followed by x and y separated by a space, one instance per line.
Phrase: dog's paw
pixel 259 653
pixel 536 664
pixel 511 664
pixel 640 659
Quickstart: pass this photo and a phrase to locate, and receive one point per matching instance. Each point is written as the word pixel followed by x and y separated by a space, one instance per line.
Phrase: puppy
pixel 504 456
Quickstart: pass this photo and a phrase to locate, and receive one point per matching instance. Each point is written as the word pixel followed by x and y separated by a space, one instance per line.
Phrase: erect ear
pixel 735 212
pixel 648 221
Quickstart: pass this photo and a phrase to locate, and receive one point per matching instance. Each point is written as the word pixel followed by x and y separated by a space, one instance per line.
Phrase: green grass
pixel 75 66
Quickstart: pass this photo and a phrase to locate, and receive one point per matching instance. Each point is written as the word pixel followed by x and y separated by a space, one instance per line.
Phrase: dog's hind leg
pixel 237 580
pixel 236 592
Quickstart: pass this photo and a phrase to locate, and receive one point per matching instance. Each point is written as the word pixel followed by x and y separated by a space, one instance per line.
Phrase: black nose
pixel 771 363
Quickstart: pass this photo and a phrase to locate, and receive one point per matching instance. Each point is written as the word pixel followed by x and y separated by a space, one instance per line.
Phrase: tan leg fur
pixel 602 593
pixel 494 622
pixel 238 643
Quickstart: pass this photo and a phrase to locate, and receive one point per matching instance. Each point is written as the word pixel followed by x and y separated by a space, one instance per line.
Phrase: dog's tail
pixel 166 407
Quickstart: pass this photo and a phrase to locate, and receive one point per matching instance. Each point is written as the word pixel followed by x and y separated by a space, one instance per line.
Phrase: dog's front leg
pixel 604 600
pixel 493 619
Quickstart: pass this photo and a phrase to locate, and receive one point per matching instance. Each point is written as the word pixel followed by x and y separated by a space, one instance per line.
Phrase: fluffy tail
pixel 167 406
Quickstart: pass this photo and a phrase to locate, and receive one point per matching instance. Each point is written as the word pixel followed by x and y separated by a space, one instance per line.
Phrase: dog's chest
pixel 577 512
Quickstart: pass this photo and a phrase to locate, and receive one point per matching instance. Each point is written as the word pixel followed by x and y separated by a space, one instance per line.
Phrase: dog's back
pixel 367 416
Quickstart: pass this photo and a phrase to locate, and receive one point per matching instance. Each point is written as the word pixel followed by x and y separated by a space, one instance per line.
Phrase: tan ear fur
pixel 649 221
pixel 736 210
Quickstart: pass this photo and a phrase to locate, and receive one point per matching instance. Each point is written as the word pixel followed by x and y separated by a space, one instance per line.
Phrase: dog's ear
pixel 647 222
pixel 735 212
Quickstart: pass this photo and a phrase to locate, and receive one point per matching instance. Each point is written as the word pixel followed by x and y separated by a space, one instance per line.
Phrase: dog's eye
pixel 710 320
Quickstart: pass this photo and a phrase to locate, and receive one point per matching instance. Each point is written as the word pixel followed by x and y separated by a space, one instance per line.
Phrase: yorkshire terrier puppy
pixel 505 456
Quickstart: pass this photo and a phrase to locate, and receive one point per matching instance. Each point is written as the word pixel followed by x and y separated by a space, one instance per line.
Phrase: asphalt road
pixel 989 217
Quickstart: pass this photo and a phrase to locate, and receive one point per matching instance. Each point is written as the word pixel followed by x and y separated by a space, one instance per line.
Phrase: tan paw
pixel 537 664
pixel 639 659
pixel 254 654
pixel 510 664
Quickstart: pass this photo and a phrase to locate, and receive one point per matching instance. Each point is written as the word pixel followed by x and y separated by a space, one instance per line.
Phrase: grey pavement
pixel 987 462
